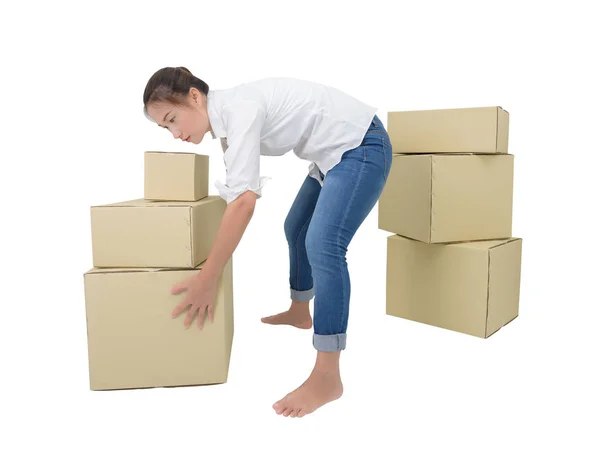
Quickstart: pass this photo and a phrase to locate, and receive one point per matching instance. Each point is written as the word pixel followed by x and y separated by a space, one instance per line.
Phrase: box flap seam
pixel 431 198
pixel 497 126
pixel 487 304
pixel 134 270
pixel 504 242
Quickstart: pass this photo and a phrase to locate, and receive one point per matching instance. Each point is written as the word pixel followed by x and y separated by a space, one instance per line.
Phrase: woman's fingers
pixel 201 314
pixel 180 307
pixel 179 287
pixel 190 316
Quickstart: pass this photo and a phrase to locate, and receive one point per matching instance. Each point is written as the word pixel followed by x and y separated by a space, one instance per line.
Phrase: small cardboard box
pixel 481 130
pixel 448 197
pixel 143 233
pixel 175 176
pixel 469 287
pixel 133 342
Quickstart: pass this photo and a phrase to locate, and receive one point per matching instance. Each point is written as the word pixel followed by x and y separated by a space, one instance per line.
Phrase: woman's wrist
pixel 211 270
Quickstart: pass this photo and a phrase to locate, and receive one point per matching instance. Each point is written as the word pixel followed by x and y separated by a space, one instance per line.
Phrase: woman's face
pixel 189 123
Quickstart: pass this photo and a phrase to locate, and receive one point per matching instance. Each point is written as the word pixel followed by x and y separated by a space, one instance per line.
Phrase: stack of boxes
pixel 140 249
pixel 452 261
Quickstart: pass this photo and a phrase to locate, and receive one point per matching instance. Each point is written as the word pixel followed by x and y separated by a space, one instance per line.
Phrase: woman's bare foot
pixel 298 315
pixel 322 386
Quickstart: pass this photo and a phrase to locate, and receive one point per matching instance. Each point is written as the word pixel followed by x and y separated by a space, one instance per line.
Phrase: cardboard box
pixel 470 287
pixel 133 342
pixel 448 197
pixel 175 176
pixel 143 233
pixel 481 130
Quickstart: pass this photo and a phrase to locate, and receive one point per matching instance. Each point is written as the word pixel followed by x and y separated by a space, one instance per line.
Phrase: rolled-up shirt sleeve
pixel 243 123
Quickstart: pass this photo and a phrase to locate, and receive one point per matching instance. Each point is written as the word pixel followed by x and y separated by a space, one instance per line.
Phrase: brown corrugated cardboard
pixel 470 287
pixel 481 130
pixel 143 233
pixel 134 343
pixel 448 197
pixel 175 176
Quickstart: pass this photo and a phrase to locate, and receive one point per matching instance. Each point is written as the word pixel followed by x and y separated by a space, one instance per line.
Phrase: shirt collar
pixel 213 107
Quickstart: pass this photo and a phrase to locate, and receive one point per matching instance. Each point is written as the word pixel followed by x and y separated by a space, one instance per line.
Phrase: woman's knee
pixel 287 227
pixel 293 227
pixel 322 246
pixel 315 245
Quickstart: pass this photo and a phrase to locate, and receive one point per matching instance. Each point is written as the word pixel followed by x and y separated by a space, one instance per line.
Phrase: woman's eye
pixel 172 120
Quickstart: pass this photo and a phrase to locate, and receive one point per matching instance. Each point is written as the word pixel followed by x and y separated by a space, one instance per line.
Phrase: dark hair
pixel 171 84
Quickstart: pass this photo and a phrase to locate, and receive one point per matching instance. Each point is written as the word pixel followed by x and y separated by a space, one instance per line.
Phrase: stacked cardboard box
pixel 140 249
pixel 452 261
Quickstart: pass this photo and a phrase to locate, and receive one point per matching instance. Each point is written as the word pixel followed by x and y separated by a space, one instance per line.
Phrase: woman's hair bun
pixel 172 84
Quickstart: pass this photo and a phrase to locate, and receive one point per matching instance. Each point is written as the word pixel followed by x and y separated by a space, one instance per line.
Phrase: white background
pixel 416 397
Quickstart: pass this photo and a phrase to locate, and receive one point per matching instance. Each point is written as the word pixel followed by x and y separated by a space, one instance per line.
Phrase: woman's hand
pixel 201 292
pixel 202 287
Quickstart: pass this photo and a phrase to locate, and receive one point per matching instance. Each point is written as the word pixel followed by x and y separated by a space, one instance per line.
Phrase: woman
pixel 350 156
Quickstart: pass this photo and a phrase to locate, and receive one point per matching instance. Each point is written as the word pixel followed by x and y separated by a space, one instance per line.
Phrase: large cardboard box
pixel 470 287
pixel 175 176
pixel 143 233
pixel 133 342
pixel 448 197
pixel 477 130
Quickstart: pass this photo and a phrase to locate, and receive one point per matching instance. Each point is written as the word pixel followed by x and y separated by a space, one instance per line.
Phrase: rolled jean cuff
pixel 302 296
pixel 329 343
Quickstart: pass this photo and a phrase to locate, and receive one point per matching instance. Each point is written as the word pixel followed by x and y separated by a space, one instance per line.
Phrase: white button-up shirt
pixel 275 115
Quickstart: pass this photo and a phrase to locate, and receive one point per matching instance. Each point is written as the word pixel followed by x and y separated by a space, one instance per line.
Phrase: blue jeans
pixel 320 226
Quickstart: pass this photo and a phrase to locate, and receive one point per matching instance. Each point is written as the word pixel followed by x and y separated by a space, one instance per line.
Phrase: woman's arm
pixel 233 225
